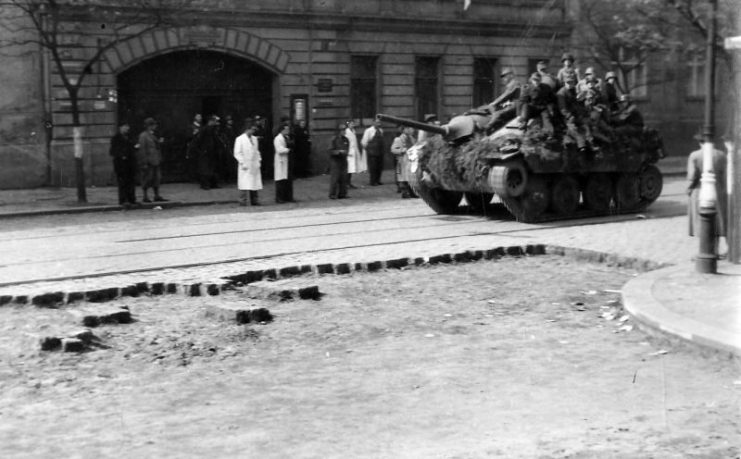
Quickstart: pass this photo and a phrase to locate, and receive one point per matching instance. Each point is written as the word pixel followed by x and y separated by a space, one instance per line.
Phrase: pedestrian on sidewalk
pixel 374 148
pixel 399 148
pixel 355 160
pixel 150 160
pixel 123 151
pixel 694 173
pixel 247 154
pixel 338 165
pixel 208 147
pixel 283 181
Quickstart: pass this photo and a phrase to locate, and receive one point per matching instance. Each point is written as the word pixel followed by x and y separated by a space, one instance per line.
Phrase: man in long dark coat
pixel 123 152
pixel 208 147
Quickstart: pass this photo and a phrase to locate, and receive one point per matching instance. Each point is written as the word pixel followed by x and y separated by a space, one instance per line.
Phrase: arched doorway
pixel 173 87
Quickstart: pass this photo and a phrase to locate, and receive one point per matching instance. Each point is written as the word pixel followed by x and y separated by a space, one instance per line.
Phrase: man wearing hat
pixel 694 173
pixel 504 107
pixel 374 147
pixel 568 67
pixel 150 159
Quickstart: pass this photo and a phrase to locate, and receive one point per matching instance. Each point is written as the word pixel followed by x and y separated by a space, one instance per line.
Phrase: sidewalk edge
pixel 645 309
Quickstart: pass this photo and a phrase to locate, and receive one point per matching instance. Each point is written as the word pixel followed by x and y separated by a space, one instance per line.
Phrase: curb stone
pixel 215 287
pixel 239 314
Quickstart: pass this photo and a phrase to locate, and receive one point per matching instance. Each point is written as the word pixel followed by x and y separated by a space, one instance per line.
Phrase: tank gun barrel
pixel 412 123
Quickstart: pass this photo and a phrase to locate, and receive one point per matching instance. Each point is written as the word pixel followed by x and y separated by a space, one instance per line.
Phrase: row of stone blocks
pixel 229 282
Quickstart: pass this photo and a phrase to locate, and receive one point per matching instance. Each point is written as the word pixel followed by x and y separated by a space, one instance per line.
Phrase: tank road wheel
pixel 598 192
pixel 478 202
pixel 651 183
pixel 628 191
pixel 535 200
pixel 508 180
pixel 565 195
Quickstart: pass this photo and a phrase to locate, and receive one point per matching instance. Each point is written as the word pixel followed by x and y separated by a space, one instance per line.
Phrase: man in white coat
pixel 283 184
pixel 247 154
pixel 356 161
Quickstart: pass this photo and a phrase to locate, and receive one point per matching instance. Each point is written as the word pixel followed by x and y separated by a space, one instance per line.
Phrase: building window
pixel 363 88
pixel 484 81
pixel 637 76
pixel 426 71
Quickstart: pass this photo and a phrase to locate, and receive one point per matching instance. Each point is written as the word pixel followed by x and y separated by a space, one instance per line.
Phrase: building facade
pixel 323 61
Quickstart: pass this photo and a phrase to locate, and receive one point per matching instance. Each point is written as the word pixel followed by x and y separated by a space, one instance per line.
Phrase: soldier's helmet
pixel 506 71
pixel 589 71
pixel 609 75
pixel 568 57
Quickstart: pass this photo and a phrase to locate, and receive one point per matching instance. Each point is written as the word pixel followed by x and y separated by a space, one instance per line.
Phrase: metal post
pixel 707 259
pixel 733 234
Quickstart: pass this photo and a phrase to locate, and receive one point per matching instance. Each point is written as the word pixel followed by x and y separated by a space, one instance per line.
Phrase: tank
pixel 537 177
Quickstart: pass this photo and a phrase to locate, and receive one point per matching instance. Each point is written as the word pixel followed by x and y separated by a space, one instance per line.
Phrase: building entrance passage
pixel 174 87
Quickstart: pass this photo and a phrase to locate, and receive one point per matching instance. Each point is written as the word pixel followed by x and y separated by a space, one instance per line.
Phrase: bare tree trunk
pixel 77 132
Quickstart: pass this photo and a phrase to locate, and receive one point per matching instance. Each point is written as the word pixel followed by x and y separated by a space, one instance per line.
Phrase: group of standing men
pixel 131 159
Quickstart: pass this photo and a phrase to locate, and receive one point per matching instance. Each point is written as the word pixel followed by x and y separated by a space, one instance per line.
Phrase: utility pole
pixel 733 235
pixel 707 260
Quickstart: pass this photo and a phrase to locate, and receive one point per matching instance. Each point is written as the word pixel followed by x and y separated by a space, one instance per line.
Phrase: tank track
pixel 516 208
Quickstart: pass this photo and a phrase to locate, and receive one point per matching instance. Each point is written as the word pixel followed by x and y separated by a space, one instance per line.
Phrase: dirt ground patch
pixel 508 358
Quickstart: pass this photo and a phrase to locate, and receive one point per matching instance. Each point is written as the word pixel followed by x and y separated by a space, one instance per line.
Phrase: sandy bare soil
pixel 510 358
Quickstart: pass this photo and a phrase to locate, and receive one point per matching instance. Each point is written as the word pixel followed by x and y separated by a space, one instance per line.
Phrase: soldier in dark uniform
pixel 537 102
pixel 504 107
pixel 123 152
pixel 611 92
pixel 338 164
pixel 572 112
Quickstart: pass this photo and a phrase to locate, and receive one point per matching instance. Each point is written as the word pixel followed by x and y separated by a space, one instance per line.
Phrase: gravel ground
pixel 521 357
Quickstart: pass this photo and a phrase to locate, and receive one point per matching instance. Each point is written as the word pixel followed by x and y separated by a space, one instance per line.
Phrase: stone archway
pixel 243 44
pixel 155 76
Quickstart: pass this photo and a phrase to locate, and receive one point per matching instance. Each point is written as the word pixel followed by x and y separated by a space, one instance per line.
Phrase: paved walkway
pixel 699 308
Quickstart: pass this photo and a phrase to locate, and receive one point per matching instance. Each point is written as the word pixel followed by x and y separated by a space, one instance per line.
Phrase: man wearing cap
pixel 149 160
pixel 546 77
pixel 504 107
pixel 124 165
pixel 537 101
pixel 568 67
pixel 590 81
pixel 374 147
